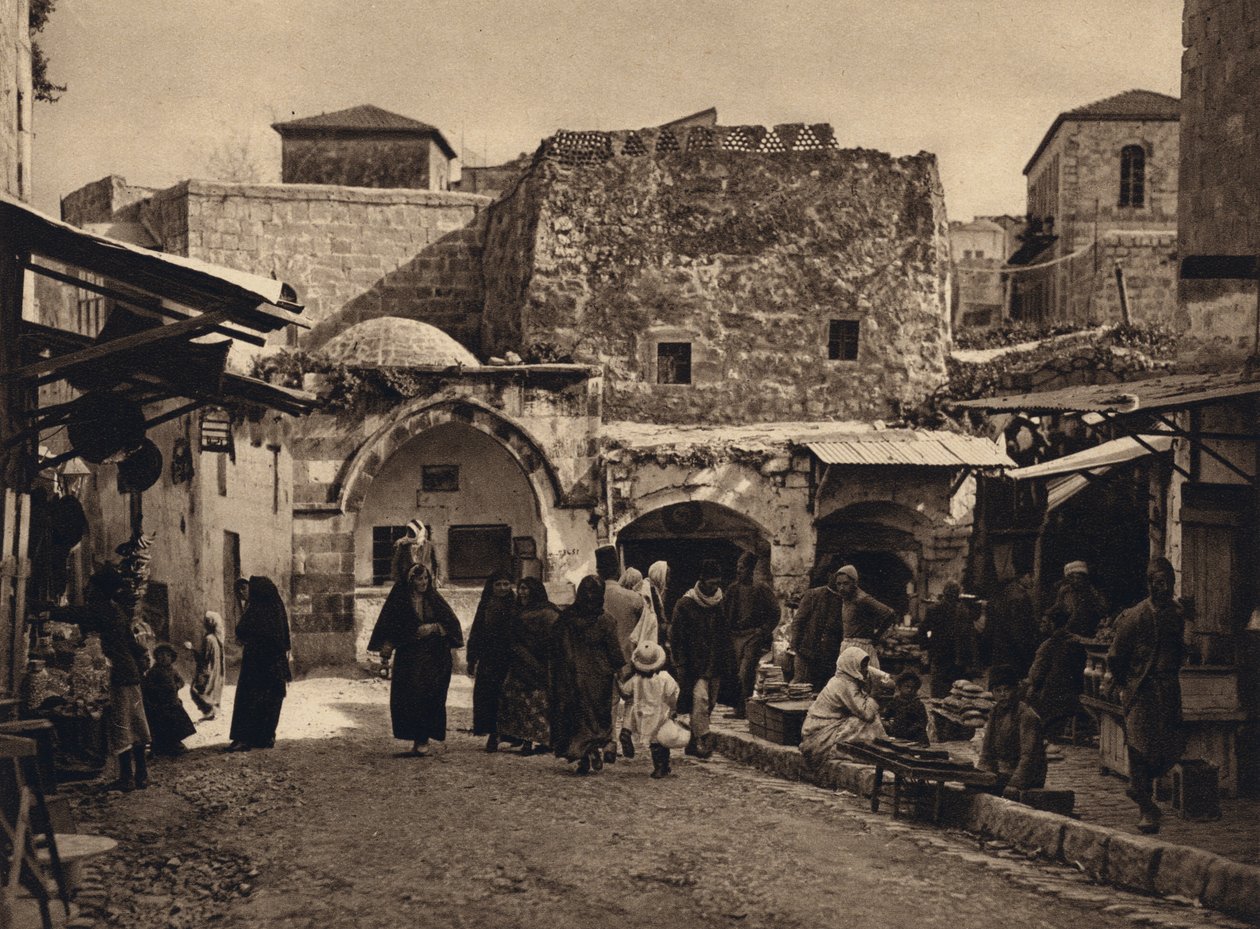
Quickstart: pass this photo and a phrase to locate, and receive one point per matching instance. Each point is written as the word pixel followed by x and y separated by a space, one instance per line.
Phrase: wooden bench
pixel 916 773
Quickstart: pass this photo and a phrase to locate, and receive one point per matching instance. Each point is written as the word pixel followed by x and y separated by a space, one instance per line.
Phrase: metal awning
pixel 1067 476
pixel 911 447
pixel 1155 394
pixel 1097 459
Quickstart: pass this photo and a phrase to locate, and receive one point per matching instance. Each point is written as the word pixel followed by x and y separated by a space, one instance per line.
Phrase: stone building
pixel 1102 196
pixel 17 99
pixel 978 251
pixel 656 284
pixel 364 146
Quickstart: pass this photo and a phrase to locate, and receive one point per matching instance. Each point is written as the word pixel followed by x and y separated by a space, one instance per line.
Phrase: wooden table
pixel 915 772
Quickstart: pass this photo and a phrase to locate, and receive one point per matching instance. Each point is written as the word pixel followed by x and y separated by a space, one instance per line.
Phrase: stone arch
pixel 886 541
pixel 362 467
pixel 723 496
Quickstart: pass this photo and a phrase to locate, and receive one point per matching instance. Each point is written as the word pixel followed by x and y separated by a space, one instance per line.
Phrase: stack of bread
pixel 970 702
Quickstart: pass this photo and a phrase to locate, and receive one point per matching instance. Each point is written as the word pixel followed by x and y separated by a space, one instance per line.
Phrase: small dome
pixel 393 342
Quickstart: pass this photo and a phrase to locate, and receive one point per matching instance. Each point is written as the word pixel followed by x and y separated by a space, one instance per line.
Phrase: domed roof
pixel 394 342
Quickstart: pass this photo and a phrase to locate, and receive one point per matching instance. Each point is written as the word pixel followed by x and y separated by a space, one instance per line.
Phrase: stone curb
pixel 1133 862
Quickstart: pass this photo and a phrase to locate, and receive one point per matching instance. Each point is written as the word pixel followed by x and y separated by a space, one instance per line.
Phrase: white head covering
pixel 658 573
pixel 851 662
pixel 416 528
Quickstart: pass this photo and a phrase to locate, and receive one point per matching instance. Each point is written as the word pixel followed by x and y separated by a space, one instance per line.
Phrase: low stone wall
pixel 1137 863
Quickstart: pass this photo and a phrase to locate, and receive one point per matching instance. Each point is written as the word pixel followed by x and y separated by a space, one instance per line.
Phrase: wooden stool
pixel 20 841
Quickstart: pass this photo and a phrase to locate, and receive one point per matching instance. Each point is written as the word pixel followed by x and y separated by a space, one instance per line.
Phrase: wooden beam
pixel 150 337
pixel 147 302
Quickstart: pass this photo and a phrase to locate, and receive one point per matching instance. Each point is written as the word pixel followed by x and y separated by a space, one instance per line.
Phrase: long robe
pixel 817 632
pixel 752 614
pixel 207 686
pixel 263 631
pixel 524 711
pixel 489 654
pixel 845 711
pixel 168 720
pixel 586 656
pixel 1012 626
pixel 422 663
pixel 1145 661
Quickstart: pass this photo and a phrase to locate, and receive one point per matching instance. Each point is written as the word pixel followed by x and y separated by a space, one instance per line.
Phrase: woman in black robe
pixel 586 657
pixel 523 705
pixel 420 629
pixel 489 652
pixel 263 631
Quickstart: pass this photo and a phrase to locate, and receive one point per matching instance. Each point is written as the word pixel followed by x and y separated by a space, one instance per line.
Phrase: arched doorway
pixel 481 509
pixel 685 535
pixel 878 539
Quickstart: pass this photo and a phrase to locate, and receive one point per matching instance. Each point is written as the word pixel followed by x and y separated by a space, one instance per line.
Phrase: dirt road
pixel 330 829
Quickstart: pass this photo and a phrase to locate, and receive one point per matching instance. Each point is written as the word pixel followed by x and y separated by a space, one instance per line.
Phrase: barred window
pixel 383 539
pixel 842 340
pixel 1132 176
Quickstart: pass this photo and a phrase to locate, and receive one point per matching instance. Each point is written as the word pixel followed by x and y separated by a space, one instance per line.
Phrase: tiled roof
pixel 394 342
pixel 364 118
pixel 1132 104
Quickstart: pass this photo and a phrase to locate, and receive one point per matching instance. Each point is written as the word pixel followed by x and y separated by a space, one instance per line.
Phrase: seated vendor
pixel 1013 746
pixel 905 716
pixel 846 710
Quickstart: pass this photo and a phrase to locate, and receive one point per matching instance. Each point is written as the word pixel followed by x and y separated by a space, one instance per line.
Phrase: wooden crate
pixel 756 710
pixel 784 720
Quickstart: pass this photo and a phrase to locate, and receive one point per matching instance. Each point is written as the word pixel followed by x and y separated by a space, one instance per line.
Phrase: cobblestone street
pixel 332 829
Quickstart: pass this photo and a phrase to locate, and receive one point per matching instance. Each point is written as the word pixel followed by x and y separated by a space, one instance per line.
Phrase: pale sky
pixel 156 85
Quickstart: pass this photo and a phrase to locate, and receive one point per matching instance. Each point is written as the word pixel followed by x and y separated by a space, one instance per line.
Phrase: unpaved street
pixel 330 829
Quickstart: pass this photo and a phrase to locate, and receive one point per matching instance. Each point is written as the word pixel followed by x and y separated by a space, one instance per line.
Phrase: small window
pixel 383 539
pixel 1132 176
pixel 979 253
pixel 966 254
pixel 673 363
pixel 439 478
pixel 842 340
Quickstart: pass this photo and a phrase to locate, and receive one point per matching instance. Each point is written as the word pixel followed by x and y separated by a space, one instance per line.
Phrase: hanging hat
pixel 1075 567
pixel 140 470
pixel 66 521
pixel 102 425
pixel 648 656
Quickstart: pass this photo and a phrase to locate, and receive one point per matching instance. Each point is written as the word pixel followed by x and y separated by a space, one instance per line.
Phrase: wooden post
pixel 1123 291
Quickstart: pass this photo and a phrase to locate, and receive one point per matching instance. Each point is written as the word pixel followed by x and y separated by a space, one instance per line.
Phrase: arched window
pixel 1132 176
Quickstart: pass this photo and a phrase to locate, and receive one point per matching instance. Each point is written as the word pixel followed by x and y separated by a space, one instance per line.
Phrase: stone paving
pixel 1100 800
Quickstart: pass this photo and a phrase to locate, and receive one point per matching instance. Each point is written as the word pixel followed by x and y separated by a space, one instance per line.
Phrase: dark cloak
pixel 422 665
pixel 701 642
pixel 489 653
pixel 586 655
pixel 168 720
pixel 263 631
pixel 524 703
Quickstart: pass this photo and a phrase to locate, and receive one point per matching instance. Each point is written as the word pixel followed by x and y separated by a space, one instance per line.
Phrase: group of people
pixel 588 682
pixel 145 710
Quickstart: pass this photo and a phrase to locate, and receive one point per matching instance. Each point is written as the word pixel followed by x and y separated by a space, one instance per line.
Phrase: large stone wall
pixel 352 253
pixel 615 242
pixel 1149 260
pixel 372 161
pixel 1219 202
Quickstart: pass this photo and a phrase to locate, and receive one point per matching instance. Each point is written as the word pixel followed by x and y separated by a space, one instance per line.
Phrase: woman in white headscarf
pixel 207 686
pixel 846 710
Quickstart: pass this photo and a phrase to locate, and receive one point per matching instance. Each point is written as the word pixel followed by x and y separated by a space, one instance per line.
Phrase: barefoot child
pixel 652 695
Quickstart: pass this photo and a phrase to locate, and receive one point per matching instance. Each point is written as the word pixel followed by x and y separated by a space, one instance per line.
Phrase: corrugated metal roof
pixel 1169 392
pixel 912 448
